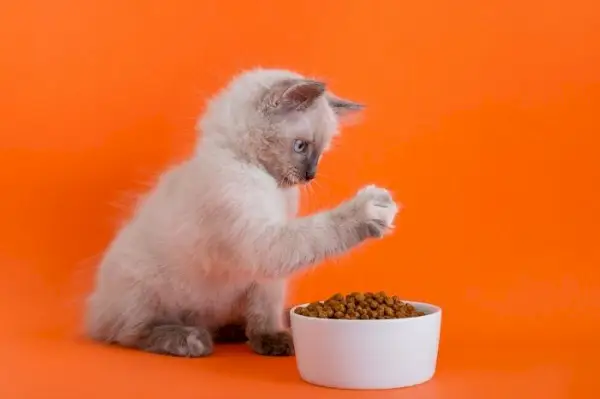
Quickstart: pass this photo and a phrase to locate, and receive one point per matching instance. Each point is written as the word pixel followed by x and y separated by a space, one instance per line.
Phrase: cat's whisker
pixel 306 197
pixel 318 185
pixel 310 189
pixel 316 181
pixel 312 198
pixel 314 184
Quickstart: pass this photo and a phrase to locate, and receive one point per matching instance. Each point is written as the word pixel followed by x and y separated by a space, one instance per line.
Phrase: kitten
pixel 208 252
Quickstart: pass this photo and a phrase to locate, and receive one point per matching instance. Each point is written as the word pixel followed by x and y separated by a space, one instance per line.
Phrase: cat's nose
pixel 311 167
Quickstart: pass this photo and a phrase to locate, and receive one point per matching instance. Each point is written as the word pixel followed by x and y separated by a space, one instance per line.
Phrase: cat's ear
pixel 294 95
pixel 342 107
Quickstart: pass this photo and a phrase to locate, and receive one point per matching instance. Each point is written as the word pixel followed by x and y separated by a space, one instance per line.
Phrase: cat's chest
pixel 291 201
pixel 277 205
pixel 217 303
pixel 215 294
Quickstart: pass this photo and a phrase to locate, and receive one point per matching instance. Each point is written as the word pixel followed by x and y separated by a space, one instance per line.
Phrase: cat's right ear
pixel 347 112
pixel 293 95
pixel 342 107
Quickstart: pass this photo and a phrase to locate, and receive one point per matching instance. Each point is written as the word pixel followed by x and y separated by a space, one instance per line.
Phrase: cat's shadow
pixel 239 362
pixel 230 362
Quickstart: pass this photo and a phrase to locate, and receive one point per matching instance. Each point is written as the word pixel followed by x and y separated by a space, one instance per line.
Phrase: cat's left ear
pixel 342 107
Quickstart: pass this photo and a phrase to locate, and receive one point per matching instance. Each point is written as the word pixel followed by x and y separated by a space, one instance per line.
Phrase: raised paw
pixel 177 340
pixel 273 344
pixel 376 210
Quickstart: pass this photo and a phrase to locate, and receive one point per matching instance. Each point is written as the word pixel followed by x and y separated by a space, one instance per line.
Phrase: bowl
pixel 367 354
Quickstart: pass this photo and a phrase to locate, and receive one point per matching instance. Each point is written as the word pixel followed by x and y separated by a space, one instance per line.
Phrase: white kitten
pixel 208 252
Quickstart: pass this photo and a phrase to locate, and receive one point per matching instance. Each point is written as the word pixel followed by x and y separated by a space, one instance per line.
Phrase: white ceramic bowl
pixel 367 354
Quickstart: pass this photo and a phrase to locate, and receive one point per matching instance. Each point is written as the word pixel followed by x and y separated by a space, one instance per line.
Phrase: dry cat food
pixel 361 306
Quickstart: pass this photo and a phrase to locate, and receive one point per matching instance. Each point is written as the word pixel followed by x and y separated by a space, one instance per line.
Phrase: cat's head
pixel 277 119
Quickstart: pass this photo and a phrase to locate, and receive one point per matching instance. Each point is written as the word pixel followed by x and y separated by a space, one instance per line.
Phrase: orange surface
pixel 483 119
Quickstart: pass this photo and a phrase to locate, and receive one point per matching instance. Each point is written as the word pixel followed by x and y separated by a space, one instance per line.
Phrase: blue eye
pixel 300 146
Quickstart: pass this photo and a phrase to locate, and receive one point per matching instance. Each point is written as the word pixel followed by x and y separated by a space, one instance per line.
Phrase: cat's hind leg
pixel 136 320
pixel 176 340
pixel 176 335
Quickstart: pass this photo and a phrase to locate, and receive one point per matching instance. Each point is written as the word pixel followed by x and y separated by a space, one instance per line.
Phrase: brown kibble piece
pixel 339 307
pixel 336 297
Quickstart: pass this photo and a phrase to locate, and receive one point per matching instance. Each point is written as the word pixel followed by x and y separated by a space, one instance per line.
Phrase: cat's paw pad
pixel 273 344
pixel 196 345
pixel 378 210
pixel 176 340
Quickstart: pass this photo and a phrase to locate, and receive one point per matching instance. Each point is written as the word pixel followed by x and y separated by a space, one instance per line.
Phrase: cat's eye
pixel 300 146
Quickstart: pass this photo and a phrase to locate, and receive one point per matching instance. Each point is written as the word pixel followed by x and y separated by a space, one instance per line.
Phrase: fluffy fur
pixel 208 251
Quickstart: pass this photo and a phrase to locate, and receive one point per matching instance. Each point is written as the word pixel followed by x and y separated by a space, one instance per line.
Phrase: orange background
pixel 482 118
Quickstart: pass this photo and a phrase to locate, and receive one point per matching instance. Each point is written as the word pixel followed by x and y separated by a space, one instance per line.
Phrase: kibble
pixel 360 306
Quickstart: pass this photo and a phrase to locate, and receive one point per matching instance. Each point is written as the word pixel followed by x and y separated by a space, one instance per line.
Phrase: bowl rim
pixel 437 310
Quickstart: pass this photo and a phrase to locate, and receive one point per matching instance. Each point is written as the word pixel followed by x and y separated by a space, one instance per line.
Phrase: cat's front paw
pixel 274 344
pixel 376 211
